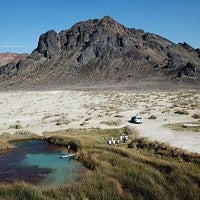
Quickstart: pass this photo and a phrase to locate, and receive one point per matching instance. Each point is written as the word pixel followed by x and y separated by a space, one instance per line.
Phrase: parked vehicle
pixel 137 119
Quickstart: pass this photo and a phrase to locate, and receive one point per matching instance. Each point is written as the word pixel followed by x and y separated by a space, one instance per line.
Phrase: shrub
pixel 196 116
pixel 182 112
pixel 15 126
pixel 83 123
pixel 61 121
pixel 131 132
pixel 152 117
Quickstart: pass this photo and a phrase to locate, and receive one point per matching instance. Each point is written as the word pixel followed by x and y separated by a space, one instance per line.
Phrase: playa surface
pixel 41 111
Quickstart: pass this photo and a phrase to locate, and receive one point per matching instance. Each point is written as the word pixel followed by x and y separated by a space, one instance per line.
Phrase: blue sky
pixel 23 21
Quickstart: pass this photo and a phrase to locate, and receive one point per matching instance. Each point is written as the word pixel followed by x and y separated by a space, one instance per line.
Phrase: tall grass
pixel 117 172
pixel 7 138
pixel 74 143
pixel 19 191
pixel 164 149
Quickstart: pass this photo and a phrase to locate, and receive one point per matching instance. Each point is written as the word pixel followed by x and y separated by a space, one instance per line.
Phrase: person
pixel 68 149
pixel 113 141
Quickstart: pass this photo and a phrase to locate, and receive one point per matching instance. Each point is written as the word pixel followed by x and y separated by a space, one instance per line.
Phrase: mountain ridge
pixel 103 51
pixel 9 57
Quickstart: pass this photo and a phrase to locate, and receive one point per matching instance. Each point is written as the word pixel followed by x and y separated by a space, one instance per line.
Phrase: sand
pixel 41 111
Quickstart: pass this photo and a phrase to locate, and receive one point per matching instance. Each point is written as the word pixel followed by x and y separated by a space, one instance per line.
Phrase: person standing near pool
pixel 68 149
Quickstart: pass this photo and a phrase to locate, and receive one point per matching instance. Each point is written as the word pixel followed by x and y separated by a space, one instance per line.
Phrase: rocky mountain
pixel 103 51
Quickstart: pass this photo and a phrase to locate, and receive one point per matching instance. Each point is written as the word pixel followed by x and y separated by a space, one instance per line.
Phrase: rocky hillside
pixel 6 58
pixel 103 51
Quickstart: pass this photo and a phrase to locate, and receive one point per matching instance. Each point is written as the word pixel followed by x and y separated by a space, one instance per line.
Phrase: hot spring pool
pixel 39 163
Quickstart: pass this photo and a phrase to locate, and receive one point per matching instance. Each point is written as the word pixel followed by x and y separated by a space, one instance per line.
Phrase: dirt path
pixel 186 140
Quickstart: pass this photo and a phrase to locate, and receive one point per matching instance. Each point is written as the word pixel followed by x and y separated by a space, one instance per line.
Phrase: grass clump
pixel 15 126
pixel 196 116
pixel 182 112
pixel 88 160
pixel 60 121
pixel 152 117
pixel 132 132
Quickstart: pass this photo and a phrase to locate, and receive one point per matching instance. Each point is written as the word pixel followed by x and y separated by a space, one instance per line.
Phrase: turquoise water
pixel 63 170
pixel 39 163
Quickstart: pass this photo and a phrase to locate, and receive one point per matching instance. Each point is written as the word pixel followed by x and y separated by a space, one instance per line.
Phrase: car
pixel 137 119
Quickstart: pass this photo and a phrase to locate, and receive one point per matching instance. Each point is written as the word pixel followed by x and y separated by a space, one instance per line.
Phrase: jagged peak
pixel 112 26
pixel 49 32
pixel 186 46
pixel 49 44
pixel 108 18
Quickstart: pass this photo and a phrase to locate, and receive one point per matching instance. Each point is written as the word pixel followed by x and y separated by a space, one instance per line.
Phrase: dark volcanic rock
pixel 186 46
pixel 174 61
pixel 103 50
pixel 49 44
pixel 6 69
pixel 198 52
pixel 188 71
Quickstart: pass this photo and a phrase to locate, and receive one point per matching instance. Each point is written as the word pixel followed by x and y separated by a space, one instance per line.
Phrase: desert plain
pixel 170 117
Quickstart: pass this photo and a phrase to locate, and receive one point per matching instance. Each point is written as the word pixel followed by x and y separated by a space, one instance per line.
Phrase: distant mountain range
pixel 101 52
pixel 6 58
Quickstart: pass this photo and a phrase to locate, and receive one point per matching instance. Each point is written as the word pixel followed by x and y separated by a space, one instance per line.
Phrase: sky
pixel 23 21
